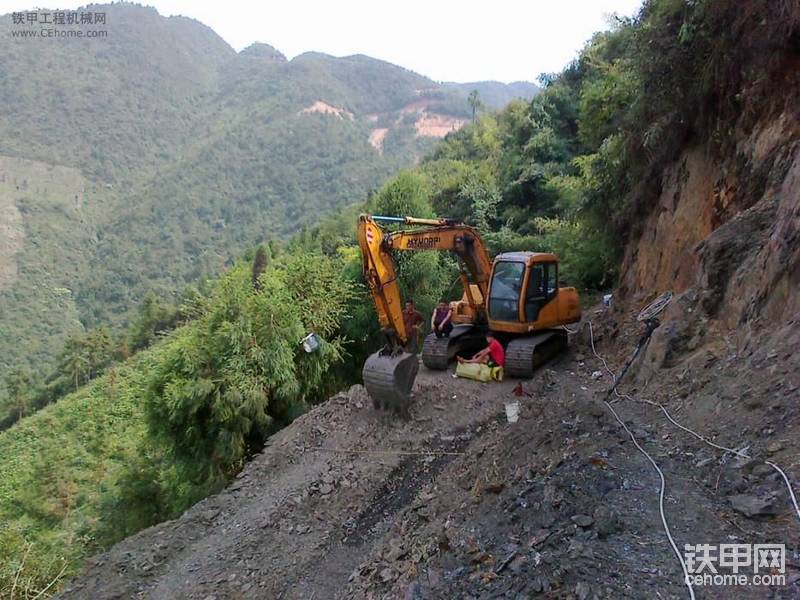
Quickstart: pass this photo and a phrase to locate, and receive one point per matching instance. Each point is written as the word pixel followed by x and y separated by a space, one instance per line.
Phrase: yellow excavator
pixel 516 296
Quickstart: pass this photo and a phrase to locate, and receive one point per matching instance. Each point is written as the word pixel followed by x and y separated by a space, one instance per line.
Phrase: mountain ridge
pixel 186 153
pixel 496 94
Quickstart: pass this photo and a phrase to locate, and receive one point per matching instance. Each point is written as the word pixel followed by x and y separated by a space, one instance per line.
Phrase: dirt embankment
pixel 326 109
pixel 436 125
pixel 460 503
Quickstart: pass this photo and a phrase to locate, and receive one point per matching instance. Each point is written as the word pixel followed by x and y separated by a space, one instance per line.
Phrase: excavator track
pixel 437 353
pixel 523 355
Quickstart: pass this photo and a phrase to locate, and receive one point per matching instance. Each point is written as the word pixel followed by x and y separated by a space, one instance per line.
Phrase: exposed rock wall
pixel 726 228
pixel 724 237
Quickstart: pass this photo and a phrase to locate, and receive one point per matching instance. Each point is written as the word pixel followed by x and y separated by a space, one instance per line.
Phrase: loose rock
pixel 753 506
pixel 582 520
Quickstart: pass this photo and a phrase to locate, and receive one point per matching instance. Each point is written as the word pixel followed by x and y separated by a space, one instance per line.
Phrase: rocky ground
pixel 460 503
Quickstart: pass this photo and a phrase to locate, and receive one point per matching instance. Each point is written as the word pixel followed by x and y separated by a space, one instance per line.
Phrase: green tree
pixel 155 317
pixel 260 264
pixel 85 356
pixel 474 103
pixel 423 276
pixel 405 195
pixel 19 388
pixel 483 197
pixel 239 372
pixel 72 361
pixel 99 348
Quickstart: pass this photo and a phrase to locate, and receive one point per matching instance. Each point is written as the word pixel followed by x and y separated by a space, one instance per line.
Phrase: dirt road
pixel 459 503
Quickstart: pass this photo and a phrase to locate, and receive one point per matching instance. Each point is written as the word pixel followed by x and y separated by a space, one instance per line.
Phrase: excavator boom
pixel 436 234
pixel 389 373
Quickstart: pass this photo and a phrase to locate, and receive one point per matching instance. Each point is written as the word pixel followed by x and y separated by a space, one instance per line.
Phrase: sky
pixel 446 40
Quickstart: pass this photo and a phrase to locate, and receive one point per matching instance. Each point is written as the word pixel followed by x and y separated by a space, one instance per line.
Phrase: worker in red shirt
pixel 493 355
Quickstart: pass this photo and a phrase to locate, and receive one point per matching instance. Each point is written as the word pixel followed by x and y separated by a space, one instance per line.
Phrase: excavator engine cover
pixel 389 379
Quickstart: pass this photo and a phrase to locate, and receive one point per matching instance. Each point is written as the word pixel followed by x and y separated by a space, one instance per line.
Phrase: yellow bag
pixel 479 372
pixel 498 373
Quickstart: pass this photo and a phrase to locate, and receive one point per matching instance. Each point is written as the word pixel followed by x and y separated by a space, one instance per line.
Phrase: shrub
pixel 222 385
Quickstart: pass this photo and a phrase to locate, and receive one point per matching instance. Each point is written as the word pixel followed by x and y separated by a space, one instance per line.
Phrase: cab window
pixel 552 279
pixel 535 294
pixel 505 292
pixel 542 286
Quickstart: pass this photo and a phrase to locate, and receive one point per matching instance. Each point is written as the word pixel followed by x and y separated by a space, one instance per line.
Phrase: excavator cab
pixel 508 277
pixel 524 294
pixel 527 307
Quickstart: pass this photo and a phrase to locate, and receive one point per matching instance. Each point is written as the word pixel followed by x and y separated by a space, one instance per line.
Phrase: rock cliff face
pixel 724 232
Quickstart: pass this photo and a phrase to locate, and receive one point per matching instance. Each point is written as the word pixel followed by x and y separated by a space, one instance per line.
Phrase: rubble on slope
pixel 460 503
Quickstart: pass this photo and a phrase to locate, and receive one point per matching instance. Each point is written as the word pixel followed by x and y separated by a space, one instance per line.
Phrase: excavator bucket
pixel 389 379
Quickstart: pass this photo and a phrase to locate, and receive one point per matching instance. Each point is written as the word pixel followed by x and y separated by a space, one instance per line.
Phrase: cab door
pixel 540 291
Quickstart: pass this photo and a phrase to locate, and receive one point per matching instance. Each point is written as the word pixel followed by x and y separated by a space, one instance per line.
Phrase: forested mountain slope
pixel 149 158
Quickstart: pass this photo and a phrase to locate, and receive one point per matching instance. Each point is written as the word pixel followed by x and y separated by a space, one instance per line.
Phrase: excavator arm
pixel 434 234
pixel 389 374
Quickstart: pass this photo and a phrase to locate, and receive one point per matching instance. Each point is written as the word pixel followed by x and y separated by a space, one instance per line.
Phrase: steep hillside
pixel 67 475
pixel 50 217
pixel 665 158
pixel 725 228
pixel 89 469
pixel 460 502
pixel 719 224
pixel 668 153
pixel 146 160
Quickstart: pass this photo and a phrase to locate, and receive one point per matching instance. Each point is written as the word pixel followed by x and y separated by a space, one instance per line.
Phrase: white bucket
pixel 512 411
pixel 310 343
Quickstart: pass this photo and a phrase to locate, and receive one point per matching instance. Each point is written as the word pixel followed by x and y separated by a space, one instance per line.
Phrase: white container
pixel 310 343
pixel 512 412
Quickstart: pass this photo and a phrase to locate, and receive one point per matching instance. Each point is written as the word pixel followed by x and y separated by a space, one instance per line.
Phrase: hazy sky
pixel 447 40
